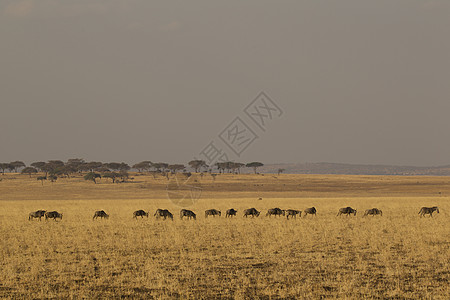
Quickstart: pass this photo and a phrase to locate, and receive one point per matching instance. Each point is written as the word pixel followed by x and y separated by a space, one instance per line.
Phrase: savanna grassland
pixel 396 256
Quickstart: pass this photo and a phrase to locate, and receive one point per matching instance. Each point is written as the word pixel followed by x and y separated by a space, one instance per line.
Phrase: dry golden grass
pixel 395 256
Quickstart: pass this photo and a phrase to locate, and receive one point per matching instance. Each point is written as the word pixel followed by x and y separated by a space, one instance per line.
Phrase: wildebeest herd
pixel 253 212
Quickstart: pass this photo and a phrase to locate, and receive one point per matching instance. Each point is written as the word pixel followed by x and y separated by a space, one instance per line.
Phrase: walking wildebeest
pixel 428 211
pixel 231 212
pixel 187 213
pixel 163 213
pixel 373 212
pixel 293 213
pixel 212 212
pixel 100 214
pixel 36 214
pixel 53 215
pixel 140 213
pixel 275 212
pixel 311 211
pixel 251 212
pixel 347 211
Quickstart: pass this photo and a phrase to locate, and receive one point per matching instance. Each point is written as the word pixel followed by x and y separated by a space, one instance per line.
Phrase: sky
pixel 353 81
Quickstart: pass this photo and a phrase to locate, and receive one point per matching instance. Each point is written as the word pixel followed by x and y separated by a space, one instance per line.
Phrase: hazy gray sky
pixel 358 81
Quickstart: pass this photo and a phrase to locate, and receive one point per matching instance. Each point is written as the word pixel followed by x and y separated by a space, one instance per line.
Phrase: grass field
pixel 396 256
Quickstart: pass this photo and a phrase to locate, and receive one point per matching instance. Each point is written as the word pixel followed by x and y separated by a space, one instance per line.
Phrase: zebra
pixel 428 211
pixel 251 212
pixel 36 214
pixel 140 213
pixel 187 213
pixel 231 212
pixel 53 215
pixel 163 213
pixel 275 211
pixel 311 211
pixel 100 214
pixel 293 213
pixel 212 212
pixel 346 211
pixel 373 212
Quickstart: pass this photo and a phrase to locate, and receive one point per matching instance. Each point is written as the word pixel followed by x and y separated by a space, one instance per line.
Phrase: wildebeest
pixel 187 213
pixel 275 212
pixel 428 210
pixel 212 212
pixel 293 213
pixel 231 212
pixel 347 211
pixel 163 213
pixel 36 214
pixel 373 212
pixel 311 211
pixel 251 212
pixel 100 214
pixel 53 215
pixel 140 213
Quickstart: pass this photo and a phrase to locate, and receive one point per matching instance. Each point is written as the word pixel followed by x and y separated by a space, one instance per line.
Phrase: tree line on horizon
pixel 54 169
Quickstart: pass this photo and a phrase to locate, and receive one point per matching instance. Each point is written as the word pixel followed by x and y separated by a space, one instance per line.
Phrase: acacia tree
pixel 4 166
pixel 112 175
pixel 47 168
pixel 91 176
pixel 17 164
pixel 254 165
pixel 143 166
pixel 53 167
pixel 197 164
pixel 84 167
pixel 176 167
pixel 148 165
pixel 124 167
pixel 56 163
pixel 115 166
pixel 221 166
pixel 11 168
pixel 29 171
pixel 68 170
pixel 92 166
pixel 229 166
pixel 236 167
pixel 103 169
pixel 160 166
pixel 38 165
pixel 75 164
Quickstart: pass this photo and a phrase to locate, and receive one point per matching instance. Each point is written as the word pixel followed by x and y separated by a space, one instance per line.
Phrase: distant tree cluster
pixel 12 166
pixel 229 166
pixel 235 167
pixel 54 169
pixel 94 170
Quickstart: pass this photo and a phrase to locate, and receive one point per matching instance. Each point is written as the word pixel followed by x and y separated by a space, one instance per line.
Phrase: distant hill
pixel 354 169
